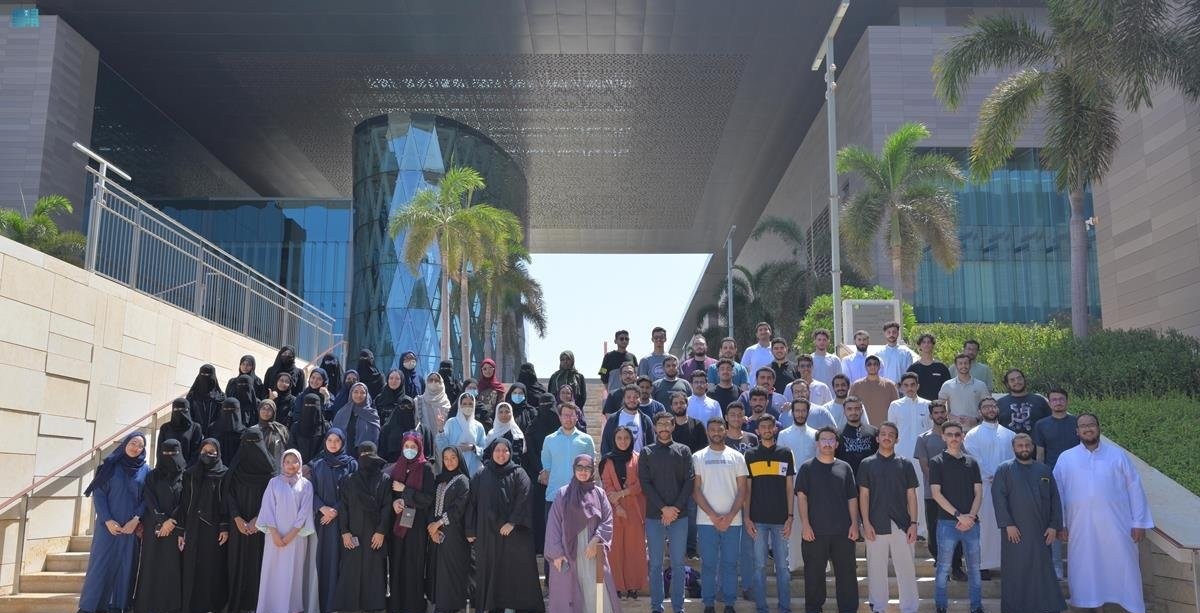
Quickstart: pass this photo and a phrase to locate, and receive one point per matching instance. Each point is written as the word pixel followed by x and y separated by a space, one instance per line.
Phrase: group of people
pixel 320 508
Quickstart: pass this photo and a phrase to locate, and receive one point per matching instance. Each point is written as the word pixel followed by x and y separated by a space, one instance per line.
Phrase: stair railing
pixel 92 458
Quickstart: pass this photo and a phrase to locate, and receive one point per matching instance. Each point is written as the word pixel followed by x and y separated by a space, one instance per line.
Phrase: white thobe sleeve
pixel 1139 508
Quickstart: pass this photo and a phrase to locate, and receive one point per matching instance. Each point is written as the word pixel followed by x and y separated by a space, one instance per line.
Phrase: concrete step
pixel 61 602
pixel 71 561
pixel 925 587
pixel 642 605
pixel 51 582
pixel 80 544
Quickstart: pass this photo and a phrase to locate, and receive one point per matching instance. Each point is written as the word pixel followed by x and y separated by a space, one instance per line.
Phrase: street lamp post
pixel 826 54
pixel 729 280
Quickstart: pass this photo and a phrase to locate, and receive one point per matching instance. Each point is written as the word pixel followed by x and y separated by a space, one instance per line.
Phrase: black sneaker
pixel 729 609
pixel 979 610
pixel 958 574
pixel 984 575
pixel 710 610
pixel 941 610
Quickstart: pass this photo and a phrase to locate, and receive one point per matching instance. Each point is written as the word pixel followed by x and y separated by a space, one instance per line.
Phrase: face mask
pixel 436 388
pixel 208 459
pixel 518 398
pixel 410 365
pixel 472 392
pixel 410 453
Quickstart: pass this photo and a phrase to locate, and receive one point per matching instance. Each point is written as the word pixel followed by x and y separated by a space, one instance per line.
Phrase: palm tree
pixel 466 234
pixel 906 196
pixel 513 298
pixel 773 293
pixel 39 230
pixel 1096 54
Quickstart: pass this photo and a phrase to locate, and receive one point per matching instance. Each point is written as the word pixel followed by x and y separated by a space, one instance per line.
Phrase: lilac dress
pixel 289 574
pixel 573 589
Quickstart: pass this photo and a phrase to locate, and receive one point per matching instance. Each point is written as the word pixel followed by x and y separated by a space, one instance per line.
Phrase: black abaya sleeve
pixel 343 516
pixel 383 493
pixel 423 498
pixel 455 504
pixel 471 515
pixel 231 500
pixel 519 513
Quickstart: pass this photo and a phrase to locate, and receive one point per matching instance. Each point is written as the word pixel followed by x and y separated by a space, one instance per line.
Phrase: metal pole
pixel 729 280
pixel 834 214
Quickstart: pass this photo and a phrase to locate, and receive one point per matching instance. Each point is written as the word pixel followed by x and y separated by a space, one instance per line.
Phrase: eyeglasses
pixel 953 434
pixel 583 469
pixel 826 443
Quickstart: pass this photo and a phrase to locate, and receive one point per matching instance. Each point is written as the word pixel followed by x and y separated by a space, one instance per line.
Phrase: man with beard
pixel 699 360
pixel 877 392
pixel 670 382
pixel 836 407
pixel 887 498
pixel 612 402
pixel 1106 516
pixel 827 505
pixel 801 441
pixel 1027 508
pixel 991 446
pixel 896 358
pixel 769 523
pixel 720 492
pixel 666 473
pixel 858 438
pixel 758 355
pixel 728 351
pixel 723 391
pixel 929 444
pixel 1020 410
pixel 825 364
pixel 690 432
pixel 780 364
pixel 963 393
pixel 653 365
pixel 855 364
pixel 630 417
pixel 955 484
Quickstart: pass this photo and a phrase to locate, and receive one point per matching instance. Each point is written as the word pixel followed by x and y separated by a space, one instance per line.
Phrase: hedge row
pixel 1157 429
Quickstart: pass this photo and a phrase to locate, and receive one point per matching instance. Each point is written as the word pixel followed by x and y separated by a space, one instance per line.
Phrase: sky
pixel 581 294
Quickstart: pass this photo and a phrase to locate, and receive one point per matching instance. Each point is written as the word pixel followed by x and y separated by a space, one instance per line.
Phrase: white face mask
pixel 410 365
pixel 410 453
pixel 436 388
pixel 467 410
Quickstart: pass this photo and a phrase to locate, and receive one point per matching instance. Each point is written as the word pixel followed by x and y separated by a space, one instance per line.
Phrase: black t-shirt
pixel 692 434
pixel 828 487
pixel 857 443
pixel 769 469
pixel 888 479
pixel 929 379
pixel 611 365
pixel 1019 414
pixel 723 396
pixel 957 478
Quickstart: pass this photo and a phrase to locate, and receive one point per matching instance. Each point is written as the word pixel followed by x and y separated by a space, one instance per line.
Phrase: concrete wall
pixel 47 89
pixel 81 357
pixel 1148 220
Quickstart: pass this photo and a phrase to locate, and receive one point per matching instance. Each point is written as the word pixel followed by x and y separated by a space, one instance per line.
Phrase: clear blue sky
pixel 587 300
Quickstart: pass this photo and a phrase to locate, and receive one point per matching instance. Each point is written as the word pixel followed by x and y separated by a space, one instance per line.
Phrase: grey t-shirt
pixel 929 444
pixel 652 366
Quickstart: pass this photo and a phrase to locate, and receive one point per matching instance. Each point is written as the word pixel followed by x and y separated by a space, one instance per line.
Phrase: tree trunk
pixel 464 323
pixel 444 304
pixel 894 251
pixel 489 344
pixel 499 339
pixel 1079 265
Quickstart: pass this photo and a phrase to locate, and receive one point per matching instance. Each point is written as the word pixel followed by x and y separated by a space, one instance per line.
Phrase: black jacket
pixel 666 474
pixel 608 437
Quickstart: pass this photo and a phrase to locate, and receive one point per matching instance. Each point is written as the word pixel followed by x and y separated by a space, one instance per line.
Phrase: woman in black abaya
pixel 162 538
pixel 368 374
pixel 205 524
pixel 184 429
pixel 332 368
pixel 365 520
pixel 249 473
pixel 450 576
pixel 498 523
pixel 285 362
pixel 242 387
pixel 228 429
pixel 413 487
pixel 205 396
pixel 307 434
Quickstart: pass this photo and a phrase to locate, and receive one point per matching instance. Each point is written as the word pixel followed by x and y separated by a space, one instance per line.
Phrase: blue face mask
pixel 472 392
pixel 410 453
pixel 518 398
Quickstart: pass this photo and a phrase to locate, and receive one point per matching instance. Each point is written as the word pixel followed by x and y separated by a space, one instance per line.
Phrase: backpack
pixel 691 581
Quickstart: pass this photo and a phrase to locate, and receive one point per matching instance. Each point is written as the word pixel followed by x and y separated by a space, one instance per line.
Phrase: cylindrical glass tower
pixel 392 310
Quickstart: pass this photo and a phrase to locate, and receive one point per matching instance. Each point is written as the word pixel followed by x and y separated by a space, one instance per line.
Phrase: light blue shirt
pixel 454 432
pixel 558 455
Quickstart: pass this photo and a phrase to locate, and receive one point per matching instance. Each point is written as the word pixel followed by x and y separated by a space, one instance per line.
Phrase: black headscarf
pixel 389 399
pixel 311 421
pixel 230 420
pixel 242 388
pixel 453 386
pixel 342 457
pixel 620 459
pixel 368 374
pixel 528 376
pixel 181 416
pixel 507 467
pixel 446 475
pixel 333 371
pixel 369 462
pixel 118 460
pixel 205 383
pixel 216 470
pixel 170 465
pixel 414 385
pixel 253 464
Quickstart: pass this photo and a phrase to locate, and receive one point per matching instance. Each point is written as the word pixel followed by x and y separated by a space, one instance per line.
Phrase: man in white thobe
pixel 911 416
pixel 801 440
pixel 896 358
pixel 1105 516
pixel 855 364
pixel 991 446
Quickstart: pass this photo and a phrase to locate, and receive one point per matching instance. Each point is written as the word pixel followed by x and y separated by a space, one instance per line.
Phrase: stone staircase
pixel 56 588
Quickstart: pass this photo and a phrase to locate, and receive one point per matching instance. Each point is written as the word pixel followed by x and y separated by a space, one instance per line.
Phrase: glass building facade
pixel 393 310
pixel 304 245
pixel 1015 264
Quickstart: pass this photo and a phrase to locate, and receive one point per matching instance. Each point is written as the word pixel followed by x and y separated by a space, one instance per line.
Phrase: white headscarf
pixel 431 404
pixel 500 428
pixel 465 421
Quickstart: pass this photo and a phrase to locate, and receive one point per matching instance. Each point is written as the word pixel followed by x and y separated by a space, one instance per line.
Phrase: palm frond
pixel 1082 132
pixel 933 211
pixel 858 160
pixel 785 229
pixel 993 42
pixel 52 205
pixel 1002 117
pixel 862 215
pixel 1134 33
pixel 897 151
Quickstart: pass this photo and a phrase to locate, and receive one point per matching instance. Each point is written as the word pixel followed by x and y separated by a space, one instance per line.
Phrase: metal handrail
pixel 24 495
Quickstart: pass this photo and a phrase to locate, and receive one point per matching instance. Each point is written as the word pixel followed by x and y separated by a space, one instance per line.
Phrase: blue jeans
pixel 771 536
pixel 719 550
pixel 691 535
pixel 746 565
pixel 948 536
pixel 656 534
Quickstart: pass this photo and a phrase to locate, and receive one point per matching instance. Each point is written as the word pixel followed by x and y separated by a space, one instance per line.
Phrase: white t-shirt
pixel 818 393
pixel 634 423
pixel 701 408
pixel 719 472
pixel 825 367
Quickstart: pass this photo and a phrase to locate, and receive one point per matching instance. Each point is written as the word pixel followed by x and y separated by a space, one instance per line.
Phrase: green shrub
pixel 1154 428
pixel 1001 346
pixel 820 314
